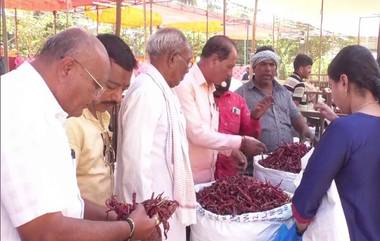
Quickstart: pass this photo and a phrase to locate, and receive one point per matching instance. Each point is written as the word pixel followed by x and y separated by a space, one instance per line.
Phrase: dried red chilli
pixel 155 205
pixel 286 158
pixel 241 194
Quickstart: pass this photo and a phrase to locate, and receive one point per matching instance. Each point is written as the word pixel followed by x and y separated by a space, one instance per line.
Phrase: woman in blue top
pixel 349 150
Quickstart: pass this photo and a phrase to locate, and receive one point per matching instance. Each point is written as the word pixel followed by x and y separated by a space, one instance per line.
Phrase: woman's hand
pixel 325 111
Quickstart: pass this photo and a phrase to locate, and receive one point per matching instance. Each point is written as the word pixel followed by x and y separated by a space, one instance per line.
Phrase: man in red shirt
pixel 235 118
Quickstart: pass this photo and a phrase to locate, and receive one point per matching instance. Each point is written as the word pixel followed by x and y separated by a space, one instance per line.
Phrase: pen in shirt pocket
pixel 236 110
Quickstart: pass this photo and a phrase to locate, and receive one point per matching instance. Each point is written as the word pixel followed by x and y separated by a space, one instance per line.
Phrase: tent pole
pixel 150 17
pixel 5 37
pixel 246 43
pixel 254 27
pixel 118 17
pixel 224 17
pixel 360 20
pixel 320 43
pixel 207 20
pixel 97 19
pixel 145 33
pixel 307 39
pixel 55 21
pixel 378 44
pixel 273 24
pixel 16 30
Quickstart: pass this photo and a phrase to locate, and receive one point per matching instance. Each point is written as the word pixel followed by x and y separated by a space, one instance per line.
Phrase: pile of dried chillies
pixel 286 158
pixel 155 205
pixel 241 194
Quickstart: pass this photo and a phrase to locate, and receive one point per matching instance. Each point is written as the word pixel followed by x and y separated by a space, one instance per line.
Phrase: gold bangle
pixel 131 227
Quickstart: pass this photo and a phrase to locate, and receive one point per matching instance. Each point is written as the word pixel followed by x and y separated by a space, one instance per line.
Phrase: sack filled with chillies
pixel 229 209
pixel 236 195
pixel 154 206
pixel 282 166
pixel 286 158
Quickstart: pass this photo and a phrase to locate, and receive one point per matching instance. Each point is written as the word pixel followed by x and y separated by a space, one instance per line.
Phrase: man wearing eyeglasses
pixel 40 199
pixel 89 134
pixel 195 92
pixel 152 146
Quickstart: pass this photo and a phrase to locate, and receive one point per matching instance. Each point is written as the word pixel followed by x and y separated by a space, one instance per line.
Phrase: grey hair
pixel 65 43
pixel 166 40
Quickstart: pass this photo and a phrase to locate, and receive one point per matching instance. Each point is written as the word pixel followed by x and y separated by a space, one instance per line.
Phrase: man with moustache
pixel 235 118
pixel 89 134
pixel 195 92
pixel 40 199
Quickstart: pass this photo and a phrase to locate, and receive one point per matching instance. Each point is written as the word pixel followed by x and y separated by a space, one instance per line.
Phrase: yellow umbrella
pixel 214 26
pixel 130 17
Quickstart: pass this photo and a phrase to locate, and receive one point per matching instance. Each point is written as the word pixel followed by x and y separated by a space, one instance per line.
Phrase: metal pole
pixel 97 19
pixel 5 37
pixel 246 42
pixel 307 38
pixel 16 30
pixel 320 43
pixel 360 19
pixel 118 18
pixel 145 34
pixel 378 44
pixel 207 20
pixel 55 21
pixel 274 20
pixel 254 27
pixel 151 16
pixel 224 17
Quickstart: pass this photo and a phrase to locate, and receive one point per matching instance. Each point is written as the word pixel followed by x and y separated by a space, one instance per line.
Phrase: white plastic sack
pixel 275 177
pixel 329 223
pixel 259 226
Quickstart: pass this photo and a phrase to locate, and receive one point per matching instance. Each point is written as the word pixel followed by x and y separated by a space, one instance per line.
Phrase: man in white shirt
pixel 40 199
pixel 195 92
pixel 152 146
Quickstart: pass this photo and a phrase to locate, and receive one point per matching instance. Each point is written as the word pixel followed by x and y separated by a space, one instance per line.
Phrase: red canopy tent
pixel 48 5
pixel 39 5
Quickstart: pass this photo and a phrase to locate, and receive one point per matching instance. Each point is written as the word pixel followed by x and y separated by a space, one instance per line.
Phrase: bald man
pixel 40 199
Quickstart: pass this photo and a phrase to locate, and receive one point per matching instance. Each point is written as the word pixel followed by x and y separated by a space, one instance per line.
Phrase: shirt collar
pixel 54 107
pixel 104 117
pixel 251 85
pixel 200 78
pixel 154 73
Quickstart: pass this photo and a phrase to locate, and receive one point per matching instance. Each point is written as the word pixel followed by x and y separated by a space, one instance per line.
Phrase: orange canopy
pixel 47 5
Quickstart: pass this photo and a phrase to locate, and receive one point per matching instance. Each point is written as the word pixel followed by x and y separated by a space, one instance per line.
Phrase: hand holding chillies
pixel 240 194
pixel 286 158
pixel 153 206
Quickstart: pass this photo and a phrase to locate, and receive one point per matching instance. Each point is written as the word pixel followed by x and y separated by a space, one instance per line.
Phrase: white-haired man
pixel 278 121
pixel 152 145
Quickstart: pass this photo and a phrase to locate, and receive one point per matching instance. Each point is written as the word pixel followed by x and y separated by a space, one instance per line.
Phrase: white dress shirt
pixel 142 136
pixel 37 170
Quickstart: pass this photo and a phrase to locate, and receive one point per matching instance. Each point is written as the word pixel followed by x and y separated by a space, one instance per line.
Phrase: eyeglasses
pixel 100 90
pixel 189 64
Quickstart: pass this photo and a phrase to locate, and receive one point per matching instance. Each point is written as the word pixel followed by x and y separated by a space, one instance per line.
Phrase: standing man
pixel 89 134
pixel 196 95
pixel 40 199
pixel 152 145
pixel 296 82
pixel 277 122
pixel 235 118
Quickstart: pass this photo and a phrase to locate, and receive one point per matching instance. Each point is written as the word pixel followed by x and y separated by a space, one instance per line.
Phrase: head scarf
pixel 263 56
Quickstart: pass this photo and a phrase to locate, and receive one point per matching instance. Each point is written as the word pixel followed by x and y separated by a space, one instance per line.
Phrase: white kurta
pixel 141 163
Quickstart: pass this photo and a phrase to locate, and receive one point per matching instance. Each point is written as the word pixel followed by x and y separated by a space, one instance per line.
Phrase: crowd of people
pixel 178 125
